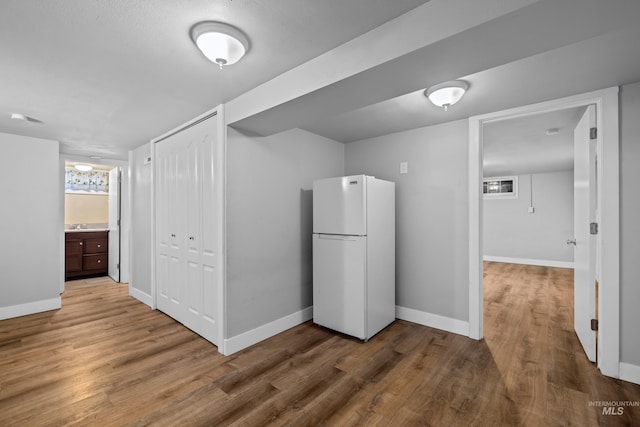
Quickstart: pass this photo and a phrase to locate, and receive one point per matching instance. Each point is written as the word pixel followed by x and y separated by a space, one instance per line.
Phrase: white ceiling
pixel 522 146
pixel 610 59
pixel 105 76
pixel 95 166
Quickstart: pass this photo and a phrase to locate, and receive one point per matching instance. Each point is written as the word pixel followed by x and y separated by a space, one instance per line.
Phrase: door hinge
pixel 118 266
pixel 594 324
pixel 593 228
pixel 118 222
pixel 593 133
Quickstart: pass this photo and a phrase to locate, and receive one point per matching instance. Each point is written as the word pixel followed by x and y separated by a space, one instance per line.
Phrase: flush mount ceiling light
pixel 83 168
pixel 24 118
pixel 220 43
pixel 18 116
pixel 446 94
pixel 552 131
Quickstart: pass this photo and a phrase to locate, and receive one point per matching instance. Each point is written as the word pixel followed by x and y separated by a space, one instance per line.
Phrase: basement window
pixel 502 187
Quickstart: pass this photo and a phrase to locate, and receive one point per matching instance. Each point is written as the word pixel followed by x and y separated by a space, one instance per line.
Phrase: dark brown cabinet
pixel 86 253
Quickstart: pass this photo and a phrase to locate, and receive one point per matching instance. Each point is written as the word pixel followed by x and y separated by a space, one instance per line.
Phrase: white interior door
pixel 186 228
pixel 114 224
pixel 162 163
pixel 584 213
pixel 200 297
pixel 171 226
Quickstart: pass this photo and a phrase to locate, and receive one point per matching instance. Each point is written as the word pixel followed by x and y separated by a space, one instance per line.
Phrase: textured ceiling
pixel 610 59
pixel 521 145
pixel 105 76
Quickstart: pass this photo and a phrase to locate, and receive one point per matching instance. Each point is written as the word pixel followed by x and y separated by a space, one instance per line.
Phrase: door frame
pixel 608 193
pixel 125 216
pixel 221 192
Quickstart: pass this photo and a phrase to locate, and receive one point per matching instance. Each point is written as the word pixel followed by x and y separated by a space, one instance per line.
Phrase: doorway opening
pixel 607 191
pixel 533 194
pixel 528 186
pixel 92 217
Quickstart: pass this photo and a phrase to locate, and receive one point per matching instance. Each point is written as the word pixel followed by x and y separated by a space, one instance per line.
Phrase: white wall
pixel 510 231
pixel 629 224
pixel 269 223
pixel 86 208
pixel 432 232
pixel 140 237
pixel 31 221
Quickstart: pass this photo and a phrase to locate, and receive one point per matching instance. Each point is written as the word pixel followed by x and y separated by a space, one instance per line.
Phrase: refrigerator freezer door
pixel 339 277
pixel 339 206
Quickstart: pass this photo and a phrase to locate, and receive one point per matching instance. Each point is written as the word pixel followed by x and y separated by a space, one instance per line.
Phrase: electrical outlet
pixel 531 209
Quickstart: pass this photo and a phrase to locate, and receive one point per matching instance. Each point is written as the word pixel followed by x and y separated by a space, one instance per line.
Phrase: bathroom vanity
pixel 86 253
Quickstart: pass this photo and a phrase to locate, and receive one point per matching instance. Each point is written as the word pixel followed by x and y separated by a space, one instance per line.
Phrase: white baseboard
pixel 448 324
pixel 141 296
pixel 540 262
pixel 249 338
pixel 629 372
pixel 30 308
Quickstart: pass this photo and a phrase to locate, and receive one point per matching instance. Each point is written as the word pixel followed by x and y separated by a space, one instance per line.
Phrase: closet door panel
pixel 208 202
pixel 194 195
pixel 162 230
pixel 162 275
pixel 193 192
pixel 186 218
pixel 194 302
pixel 209 233
pixel 162 226
pixel 179 217
pixel 210 300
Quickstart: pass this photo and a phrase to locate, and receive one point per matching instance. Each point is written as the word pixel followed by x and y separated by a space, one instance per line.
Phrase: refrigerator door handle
pixel 336 237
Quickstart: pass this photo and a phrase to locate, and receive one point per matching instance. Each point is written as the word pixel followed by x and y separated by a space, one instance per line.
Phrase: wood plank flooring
pixel 105 359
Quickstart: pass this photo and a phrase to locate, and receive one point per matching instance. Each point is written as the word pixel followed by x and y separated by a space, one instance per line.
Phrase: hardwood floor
pixel 106 359
pixel 88 282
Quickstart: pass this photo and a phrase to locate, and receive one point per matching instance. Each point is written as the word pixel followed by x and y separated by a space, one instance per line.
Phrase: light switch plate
pixel 404 168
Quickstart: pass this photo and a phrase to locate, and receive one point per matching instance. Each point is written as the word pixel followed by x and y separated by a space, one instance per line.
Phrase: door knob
pixel 571 242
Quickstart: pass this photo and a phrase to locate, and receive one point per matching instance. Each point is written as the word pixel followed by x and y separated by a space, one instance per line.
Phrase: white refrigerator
pixel 354 254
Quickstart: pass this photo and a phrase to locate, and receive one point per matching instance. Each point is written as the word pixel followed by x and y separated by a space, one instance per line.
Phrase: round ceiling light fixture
pixel 219 42
pixel 446 94
pixel 82 167
pixel 19 116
